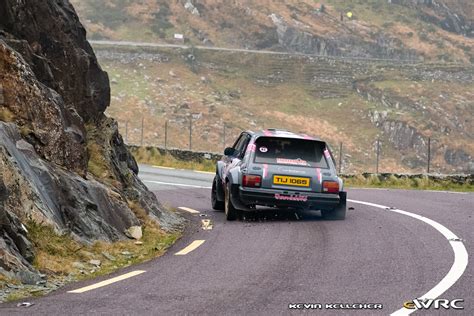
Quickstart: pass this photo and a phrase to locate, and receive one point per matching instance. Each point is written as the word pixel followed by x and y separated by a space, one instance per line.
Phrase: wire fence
pixel 191 134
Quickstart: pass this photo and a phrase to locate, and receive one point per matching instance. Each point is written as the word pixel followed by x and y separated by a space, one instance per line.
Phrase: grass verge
pixel 421 182
pixel 152 156
pixel 65 260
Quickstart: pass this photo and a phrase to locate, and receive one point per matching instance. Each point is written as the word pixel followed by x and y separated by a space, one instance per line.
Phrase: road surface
pixel 260 265
pixel 240 50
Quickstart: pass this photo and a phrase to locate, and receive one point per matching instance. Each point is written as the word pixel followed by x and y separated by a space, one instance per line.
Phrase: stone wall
pixel 182 154
pixel 461 179
pixel 199 156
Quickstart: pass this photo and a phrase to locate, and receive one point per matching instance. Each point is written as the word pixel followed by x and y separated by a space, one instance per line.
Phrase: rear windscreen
pixel 290 151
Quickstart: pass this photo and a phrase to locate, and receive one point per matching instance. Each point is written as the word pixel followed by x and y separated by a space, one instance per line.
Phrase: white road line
pixel 178 184
pixel 460 256
pixel 161 167
pixel 187 209
pixel 192 246
pixel 107 282
pixel 205 172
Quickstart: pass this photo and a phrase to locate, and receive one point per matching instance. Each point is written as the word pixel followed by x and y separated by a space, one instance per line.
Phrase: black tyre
pixel 338 213
pixel 231 213
pixel 216 204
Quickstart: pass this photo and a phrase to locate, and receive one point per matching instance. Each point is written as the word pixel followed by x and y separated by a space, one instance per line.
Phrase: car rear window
pixel 290 151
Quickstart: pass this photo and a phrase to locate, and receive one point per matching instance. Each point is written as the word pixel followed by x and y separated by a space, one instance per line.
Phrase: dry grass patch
pixel 152 156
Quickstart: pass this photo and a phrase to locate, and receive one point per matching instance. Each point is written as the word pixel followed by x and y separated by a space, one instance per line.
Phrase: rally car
pixel 277 168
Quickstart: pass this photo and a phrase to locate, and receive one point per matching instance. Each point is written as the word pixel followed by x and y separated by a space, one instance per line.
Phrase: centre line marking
pixel 107 282
pixel 187 209
pixel 195 244
pixel 460 256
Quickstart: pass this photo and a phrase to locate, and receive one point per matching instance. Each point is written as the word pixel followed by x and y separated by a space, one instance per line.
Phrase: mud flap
pixel 339 212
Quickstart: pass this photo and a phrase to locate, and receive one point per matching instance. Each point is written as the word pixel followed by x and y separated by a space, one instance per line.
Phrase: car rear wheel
pixel 231 213
pixel 216 204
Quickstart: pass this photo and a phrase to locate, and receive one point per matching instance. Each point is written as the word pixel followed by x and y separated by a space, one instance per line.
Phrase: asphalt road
pixel 260 265
pixel 226 49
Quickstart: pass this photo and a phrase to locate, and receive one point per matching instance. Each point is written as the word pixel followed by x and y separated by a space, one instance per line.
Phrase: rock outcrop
pixel 62 161
pixel 451 16
pixel 381 46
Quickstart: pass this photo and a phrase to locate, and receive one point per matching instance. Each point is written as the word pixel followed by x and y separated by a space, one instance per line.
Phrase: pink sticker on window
pixel 296 162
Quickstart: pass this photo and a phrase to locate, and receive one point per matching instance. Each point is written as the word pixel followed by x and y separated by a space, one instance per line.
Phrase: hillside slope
pixel 429 30
pixel 422 93
pixel 353 102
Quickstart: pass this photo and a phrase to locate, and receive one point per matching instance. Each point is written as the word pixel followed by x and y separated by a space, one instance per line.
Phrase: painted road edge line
pixel 178 184
pixel 460 255
pixel 107 282
pixel 205 172
pixel 162 167
pixel 187 209
pixel 192 246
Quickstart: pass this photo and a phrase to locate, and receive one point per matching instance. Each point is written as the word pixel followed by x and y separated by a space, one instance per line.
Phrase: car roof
pixel 273 132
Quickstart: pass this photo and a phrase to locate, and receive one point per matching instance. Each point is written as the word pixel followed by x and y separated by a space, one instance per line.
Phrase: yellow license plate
pixel 293 181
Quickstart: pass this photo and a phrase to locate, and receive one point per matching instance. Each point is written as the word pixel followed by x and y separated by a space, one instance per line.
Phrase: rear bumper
pixel 243 197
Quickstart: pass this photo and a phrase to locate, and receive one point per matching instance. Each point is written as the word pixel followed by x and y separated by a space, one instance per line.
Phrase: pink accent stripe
pixel 251 148
pixel 265 170
pixel 318 174
pixel 267 133
pixel 307 137
pixel 326 153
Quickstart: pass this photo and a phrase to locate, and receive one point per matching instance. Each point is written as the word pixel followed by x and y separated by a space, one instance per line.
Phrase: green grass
pixel 55 253
pixel 6 115
pixel 152 156
pixel 419 183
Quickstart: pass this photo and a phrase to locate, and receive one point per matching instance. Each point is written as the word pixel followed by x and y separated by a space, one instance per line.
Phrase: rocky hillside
pixel 62 161
pixel 428 30
pixel 349 101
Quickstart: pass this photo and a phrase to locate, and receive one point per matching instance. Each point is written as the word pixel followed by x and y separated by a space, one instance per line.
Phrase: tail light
pixel 330 187
pixel 252 181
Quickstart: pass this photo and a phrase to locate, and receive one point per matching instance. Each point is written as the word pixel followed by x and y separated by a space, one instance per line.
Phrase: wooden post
pixel 340 157
pixel 223 136
pixel 378 156
pixel 166 135
pixel 429 155
pixel 143 123
pixel 190 133
pixel 126 132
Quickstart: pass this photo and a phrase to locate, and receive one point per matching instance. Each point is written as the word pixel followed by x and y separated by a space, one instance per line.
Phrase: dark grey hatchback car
pixel 277 168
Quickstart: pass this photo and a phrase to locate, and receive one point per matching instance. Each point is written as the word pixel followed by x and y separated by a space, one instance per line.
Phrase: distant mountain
pixel 429 30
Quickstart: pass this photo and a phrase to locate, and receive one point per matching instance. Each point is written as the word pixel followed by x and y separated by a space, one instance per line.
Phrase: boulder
pixel 134 232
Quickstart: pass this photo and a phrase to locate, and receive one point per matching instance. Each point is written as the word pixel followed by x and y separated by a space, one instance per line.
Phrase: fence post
pixel 126 132
pixel 223 136
pixel 166 135
pixel 340 157
pixel 143 123
pixel 190 133
pixel 378 155
pixel 429 154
